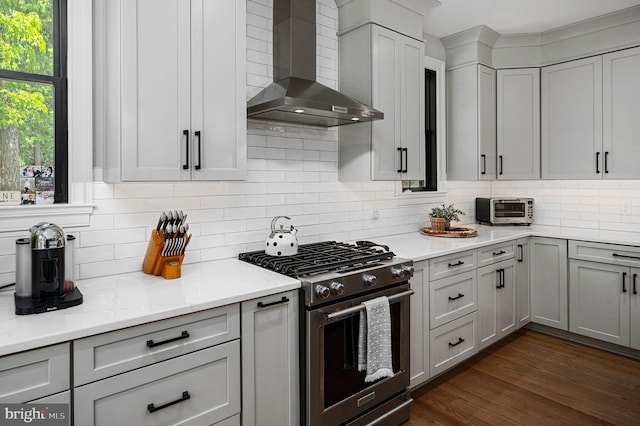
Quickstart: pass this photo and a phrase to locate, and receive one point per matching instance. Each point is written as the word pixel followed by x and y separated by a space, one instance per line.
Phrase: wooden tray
pixel 451 233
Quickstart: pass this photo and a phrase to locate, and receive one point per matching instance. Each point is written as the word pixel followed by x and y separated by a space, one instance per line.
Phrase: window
pixel 33 101
pixel 430 182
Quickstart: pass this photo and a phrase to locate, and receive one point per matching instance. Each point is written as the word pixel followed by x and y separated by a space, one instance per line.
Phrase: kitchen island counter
pixel 120 301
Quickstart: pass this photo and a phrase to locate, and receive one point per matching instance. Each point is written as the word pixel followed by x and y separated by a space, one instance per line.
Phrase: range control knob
pixel 398 272
pixel 408 270
pixel 323 291
pixel 337 288
pixel 369 279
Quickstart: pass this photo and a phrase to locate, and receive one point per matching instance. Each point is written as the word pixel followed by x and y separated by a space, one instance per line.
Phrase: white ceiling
pixel 445 17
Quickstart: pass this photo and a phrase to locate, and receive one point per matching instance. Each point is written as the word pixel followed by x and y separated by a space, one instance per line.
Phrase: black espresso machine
pixel 44 271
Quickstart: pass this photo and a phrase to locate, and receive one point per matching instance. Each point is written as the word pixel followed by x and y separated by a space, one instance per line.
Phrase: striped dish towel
pixel 374 340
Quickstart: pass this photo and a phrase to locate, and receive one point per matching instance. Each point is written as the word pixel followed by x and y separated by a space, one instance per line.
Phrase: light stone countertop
pixel 119 301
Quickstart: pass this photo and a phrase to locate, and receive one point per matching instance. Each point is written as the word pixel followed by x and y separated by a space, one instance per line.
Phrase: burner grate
pixel 326 256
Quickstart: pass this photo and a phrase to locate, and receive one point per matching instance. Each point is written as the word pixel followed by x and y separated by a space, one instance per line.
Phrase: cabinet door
pixel 419 357
pixel 386 75
pixel 155 89
pixel 634 307
pixel 487 122
pixel 218 104
pixel 549 283
pixel 599 301
pixel 518 123
pixel 412 109
pixel 572 120
pixel 270 360
pixel 523 293
pixel 621 108
pixel 496 302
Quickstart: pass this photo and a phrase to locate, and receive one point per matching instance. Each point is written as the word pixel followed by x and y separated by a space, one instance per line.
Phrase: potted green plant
pixel 441 217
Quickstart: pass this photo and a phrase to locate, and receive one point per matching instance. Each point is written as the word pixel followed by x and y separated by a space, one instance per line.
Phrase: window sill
pixel 21 218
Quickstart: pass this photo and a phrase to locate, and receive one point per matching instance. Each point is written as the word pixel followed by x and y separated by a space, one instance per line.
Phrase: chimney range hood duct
pixel 295 96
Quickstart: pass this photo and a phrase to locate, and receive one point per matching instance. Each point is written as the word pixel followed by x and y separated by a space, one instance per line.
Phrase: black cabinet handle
pixel 400 151
pixel 635 277
pixel 186 134
pixel 502 280
pixel 460 340
pixel 484 164
pixel 406 159
pixel 459 296
pixel 197 133
pixel 521 248
pixel 451 265
pixel 500 157
pixel 499 273
pixel 598 162
pixel 626 256
pixel 152 408
pixel 606 161
pixel 499 253
pixel 152 344
pixel 277 302
pixel 624 282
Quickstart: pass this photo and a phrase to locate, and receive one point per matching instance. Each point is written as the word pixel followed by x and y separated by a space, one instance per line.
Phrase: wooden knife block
pixel 169 267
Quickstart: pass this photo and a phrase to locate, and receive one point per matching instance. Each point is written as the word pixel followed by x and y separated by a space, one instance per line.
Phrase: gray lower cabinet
pixel 200 388
pixel 496 302
pixel 270 360
pixel 604 292
pixel 549 282
pixel 523 280
pixel 184 370
pixel 419 358
pixel 35 374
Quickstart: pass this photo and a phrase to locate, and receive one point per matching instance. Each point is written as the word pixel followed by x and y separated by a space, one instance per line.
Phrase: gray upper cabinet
pixel 572 120
pixel 621 107
pixel 385 69
pixel 518 123
pixel 471 123
pixel 171 98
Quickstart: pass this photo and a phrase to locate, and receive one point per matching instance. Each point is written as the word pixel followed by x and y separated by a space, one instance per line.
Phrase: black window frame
pixel 59 83
pixel 430 182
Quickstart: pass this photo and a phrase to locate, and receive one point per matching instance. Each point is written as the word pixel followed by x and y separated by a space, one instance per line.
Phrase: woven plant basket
pixel 438 224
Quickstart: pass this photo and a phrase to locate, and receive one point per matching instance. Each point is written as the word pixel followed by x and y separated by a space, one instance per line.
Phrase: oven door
pixel 336 390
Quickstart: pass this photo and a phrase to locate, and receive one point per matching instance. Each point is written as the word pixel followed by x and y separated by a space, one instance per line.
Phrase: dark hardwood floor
pixel 531 378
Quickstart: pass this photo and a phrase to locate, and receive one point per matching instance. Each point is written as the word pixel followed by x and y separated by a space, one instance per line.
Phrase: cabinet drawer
pixel 210 377
pixel 495 253
pixel 105 355
pixel 453 342
pixel 446 266
pixel 34 374
pixel 607 253
pixel 452 297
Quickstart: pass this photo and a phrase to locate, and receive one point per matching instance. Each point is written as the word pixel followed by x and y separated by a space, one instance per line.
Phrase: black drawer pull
pixel 499 253
pixel 597 162
pixel 626 256
pixel 152 408
pixel 624 282
pixel 197 133
pixel 459 296
pixel 152 344
pixel 521 258
pixel 400 169
pixel 460 340
pixel 451 265
pixel 635 290
pixel 277 302
pixel 484 164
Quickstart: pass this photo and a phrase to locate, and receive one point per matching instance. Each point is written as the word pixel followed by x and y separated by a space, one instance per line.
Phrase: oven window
pixel 341 376
pixel 509 209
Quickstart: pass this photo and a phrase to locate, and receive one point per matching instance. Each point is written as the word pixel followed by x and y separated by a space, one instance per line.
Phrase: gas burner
pixel 322 257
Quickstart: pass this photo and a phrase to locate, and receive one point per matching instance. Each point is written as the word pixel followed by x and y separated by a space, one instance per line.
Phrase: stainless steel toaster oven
pixel 504 211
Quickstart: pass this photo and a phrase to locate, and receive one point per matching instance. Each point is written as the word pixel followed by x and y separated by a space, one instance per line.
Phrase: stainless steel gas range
pixel 336 279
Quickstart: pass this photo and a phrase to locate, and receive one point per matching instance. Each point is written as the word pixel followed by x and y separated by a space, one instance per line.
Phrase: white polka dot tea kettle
pixel 281 242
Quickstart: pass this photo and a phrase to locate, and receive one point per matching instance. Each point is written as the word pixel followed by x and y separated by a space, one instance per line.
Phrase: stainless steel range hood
pixel 295 96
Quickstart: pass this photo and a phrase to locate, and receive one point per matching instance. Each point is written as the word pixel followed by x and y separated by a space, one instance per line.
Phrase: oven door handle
pixel 390 413
pixel 360 307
